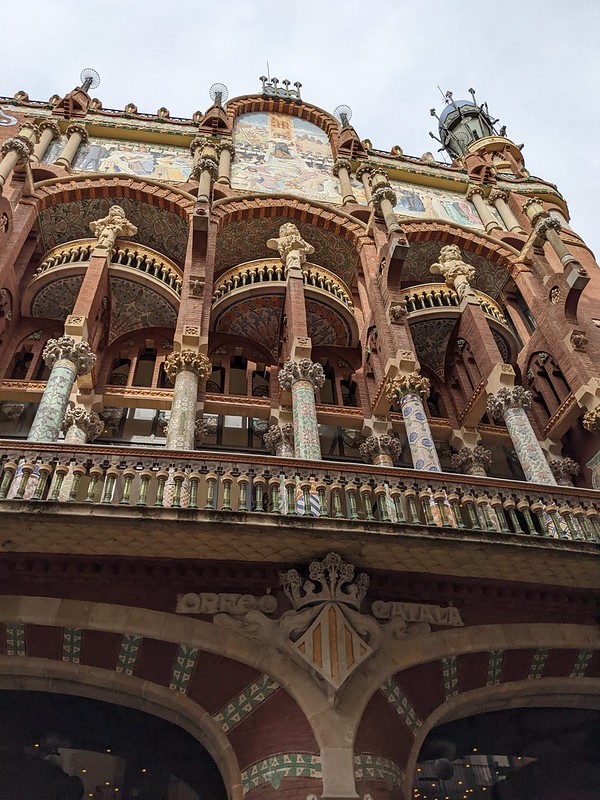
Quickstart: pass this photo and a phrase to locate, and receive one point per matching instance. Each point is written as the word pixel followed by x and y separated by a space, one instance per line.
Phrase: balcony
pixel 422 300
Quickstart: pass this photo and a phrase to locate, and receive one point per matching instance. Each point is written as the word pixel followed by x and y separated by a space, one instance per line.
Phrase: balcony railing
pixel 436 295
pixel 125 254
pixel 104 475
pixel 272 270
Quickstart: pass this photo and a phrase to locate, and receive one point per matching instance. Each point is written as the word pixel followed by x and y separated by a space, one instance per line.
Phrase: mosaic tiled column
pixel 410 391
pixel 279 440
pixel 68 360
pixel 185 369
pixel 81 426
pixel 472 460
pixel 563 469
pixel 303 377
pixel 510 405
pixel 381 450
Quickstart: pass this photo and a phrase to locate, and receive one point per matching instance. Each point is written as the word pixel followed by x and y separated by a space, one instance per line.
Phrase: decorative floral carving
pixel 563 469
pixel 381 194
pixel 412 383
pixel 111 417
pixel 205 164
pixel 329 580
pixel 291 246
pixel 472 190
pixel 469 458
pixel 50 125
pixel 342 163
pixel 114 225
pixel 516 397
pixel 79 129
pixel 457 274
pixel 497 194
pixel 591 420
pixel 66 348
pixel 87 421
pixel 579 341
pixel 385 445
pixel 17 144
pixel 555 295
pixel 547 224
pixel 397 313
pixel 302 370
pixel 197 143
pixel 187 360
pixel 279 439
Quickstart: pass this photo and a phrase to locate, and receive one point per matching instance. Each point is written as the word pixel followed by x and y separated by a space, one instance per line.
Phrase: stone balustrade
pixel 90 474
pixel 273 270
pixel 437 295
pixel 125 254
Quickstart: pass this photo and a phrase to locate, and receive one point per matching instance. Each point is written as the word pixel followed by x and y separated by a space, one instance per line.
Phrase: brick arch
pixel 449 233
pixel 252 103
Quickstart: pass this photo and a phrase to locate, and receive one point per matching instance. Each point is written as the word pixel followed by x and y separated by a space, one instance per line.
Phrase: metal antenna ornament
pixel 218 93
pixel 89 79
pixel 343 114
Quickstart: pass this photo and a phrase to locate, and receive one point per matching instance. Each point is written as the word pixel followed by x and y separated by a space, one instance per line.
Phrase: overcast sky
pixel 536 62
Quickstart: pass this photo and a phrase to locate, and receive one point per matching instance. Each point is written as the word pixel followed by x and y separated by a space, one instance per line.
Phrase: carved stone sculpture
pixel 187 360
pixel 291 246
pixel 456 273
pixel 66 348
pixel 279 439
pixel 591 420
pixel 516 397
pixel 88 425
pixel 472 460
pixel 384 445
pixel 563 469
pixel 412 383
pixel 302 370
pixel 114 225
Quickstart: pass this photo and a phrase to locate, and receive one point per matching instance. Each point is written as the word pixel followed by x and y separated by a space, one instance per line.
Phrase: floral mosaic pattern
pixel 71 644
pixel 15 639
pixel 158 228
pixel 306 428
pixel 530 454
pixel 494 666
pixel 135 307
pixel 281 153
pixel 256 318
pixel 450 676
pixel 275 768
pixel 325 326
pixel 56 299
pixel 51 410
pixel 418 433
pixel 431 339
pixel 246 240
pixel 538 663
pixel 128 653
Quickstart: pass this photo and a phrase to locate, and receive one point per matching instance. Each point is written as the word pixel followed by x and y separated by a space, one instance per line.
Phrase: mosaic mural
pixel 280 153
pixel 427 202
pixel 56 299
pixel 135 307
pixel 257 318
pixel 157 227
pixel 325 327
pixel 489 277
pixel 158 161
pixel 431 339
pixel 246 240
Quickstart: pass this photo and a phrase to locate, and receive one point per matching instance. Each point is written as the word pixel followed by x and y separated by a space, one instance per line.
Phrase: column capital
pixel 342 163
pixel 225 144
pixel 547 224
pixel 473 189
pixel 114 225
pixel 17 144
pixel 303 370
pixel 534 208
pixel 497 194
pixel 291 246
pixel 49 125
pixel 79 129
pixel 591 420
pixel 563 469
pixel 468 458
pixel 197 143
pixel 364 169
pixel 515 397
pixel 187 360
pixel 385 445
pixel 412 383
pixel 87 421
pixel 279 437
pixel 382 193
pixel 205 164
pixel 67 349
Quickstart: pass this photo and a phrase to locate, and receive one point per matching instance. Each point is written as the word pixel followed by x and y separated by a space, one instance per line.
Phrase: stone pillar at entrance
pixel 279 440
pixel 510 405
pixel 185 369
pixel 68 359
pixel 382 450
pixel 303 377
pixel 81 425
pixel 409 390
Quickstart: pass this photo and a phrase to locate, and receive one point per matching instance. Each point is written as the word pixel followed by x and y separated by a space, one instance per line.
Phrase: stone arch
pixel 37 674
pixel 310 113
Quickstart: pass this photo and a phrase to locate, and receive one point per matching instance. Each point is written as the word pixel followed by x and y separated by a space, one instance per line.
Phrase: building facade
pixel 300 443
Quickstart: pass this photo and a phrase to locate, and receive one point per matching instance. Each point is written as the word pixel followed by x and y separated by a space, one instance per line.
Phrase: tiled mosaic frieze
pixel 368 767
pixel 246 702
pixel 581 664
pixel 278 767
pixel 306 427
pixel 71 644
pixel 51 410
pixel 183 668
pixel 494 666
pixel 450 676
pixel 14 633
pixel 422 449
pixel 401 705
pixel 530 454
pixel 538 663
pixel 128 653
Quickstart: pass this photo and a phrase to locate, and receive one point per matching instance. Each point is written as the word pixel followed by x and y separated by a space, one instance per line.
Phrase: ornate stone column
pixel 409 390
pixel 303 377
pixel 226 156
pixel 279 440
pixel 342 169
pixel 81 425
pixel 363 174
pixel 184 369
pixel 206 166
pixel 16 150
pixel 384 199
pixel 510 405
pixel 547 227
pixel 472 460
pixel 498 198
pixel 68 359
pixel 475 195
pixel 381 450
pixel 563 469
pixel 77 134
pixel 49 131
